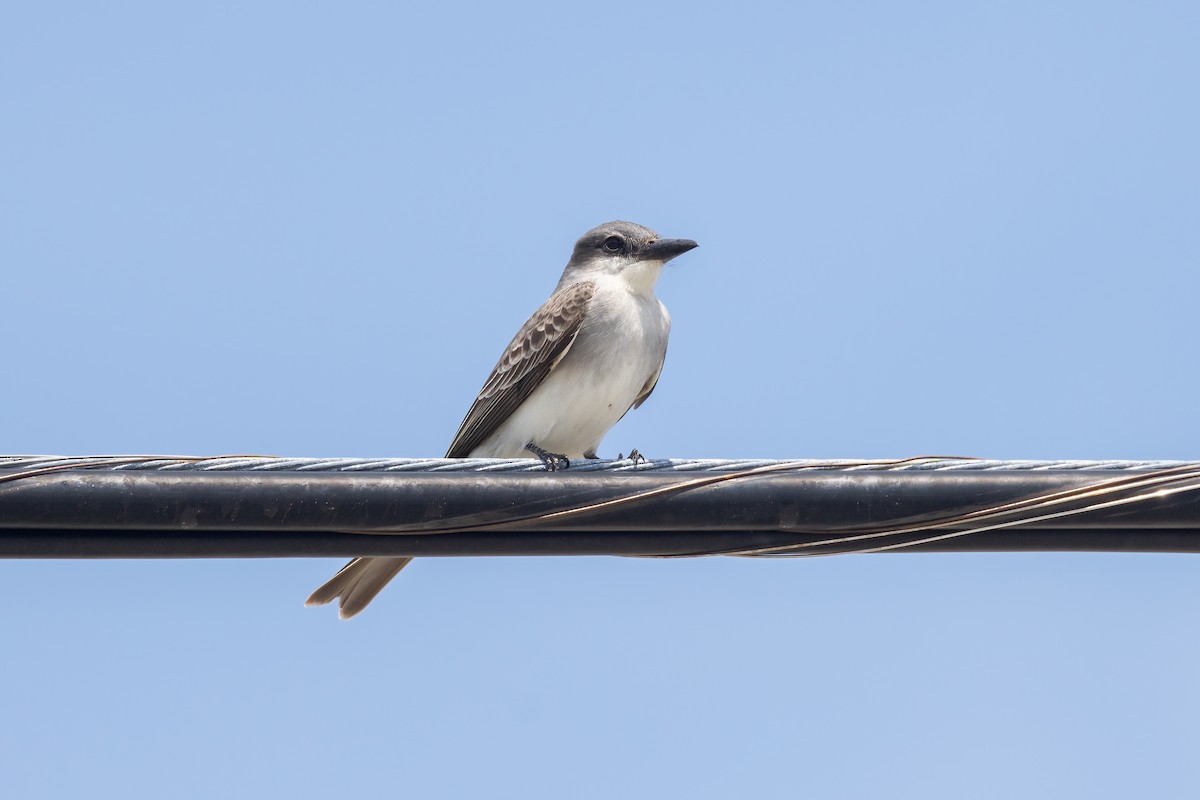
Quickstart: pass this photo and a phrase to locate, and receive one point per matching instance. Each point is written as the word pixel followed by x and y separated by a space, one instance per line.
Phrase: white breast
pixel 618 350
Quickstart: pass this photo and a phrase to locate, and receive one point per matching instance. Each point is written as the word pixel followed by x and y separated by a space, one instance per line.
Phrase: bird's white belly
pixel 568 414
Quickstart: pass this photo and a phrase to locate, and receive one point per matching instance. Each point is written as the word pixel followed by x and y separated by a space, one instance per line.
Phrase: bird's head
pixel 625 250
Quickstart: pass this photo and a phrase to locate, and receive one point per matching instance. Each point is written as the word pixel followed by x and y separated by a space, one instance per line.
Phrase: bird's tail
pixel 357 583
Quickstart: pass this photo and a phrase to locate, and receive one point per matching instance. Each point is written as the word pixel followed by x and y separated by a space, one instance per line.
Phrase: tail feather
pixel 357 583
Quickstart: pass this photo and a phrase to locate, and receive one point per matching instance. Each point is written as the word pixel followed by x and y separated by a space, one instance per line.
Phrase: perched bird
pixel 593 351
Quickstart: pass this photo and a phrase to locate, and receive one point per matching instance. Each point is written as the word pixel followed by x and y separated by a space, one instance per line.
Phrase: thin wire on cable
pixel 256 463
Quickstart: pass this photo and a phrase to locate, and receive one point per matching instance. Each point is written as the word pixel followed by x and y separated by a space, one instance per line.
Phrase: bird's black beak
pixel 665 249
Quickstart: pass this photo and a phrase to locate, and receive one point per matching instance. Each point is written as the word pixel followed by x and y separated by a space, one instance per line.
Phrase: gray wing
pixel 532 354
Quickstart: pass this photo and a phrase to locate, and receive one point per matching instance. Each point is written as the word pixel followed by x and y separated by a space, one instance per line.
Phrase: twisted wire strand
pixel 256 463
pixel 1145 487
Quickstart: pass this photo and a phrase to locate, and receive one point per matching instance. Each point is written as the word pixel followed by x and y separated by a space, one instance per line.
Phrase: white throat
pixel 642 276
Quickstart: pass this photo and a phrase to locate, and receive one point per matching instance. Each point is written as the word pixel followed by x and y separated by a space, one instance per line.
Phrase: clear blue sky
pixel 307 229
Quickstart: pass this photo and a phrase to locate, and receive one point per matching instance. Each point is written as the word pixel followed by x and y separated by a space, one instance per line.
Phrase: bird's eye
pixel 613 244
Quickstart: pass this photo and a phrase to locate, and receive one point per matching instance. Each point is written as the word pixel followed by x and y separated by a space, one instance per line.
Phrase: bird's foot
pixel 550 461
pixel 591 455
pixel 634 456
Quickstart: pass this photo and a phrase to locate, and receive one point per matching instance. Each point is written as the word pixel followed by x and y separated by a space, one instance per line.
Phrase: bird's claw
pixel 634 456
pixel 551 461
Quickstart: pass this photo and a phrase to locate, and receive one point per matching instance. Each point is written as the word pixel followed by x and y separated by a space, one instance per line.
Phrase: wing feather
pixel 532 354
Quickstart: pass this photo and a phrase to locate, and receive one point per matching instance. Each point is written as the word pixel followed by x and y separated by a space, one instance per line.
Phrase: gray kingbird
pixel 593 351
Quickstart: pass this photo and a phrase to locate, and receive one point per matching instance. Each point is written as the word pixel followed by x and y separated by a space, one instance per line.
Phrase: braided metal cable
pixel 245 463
